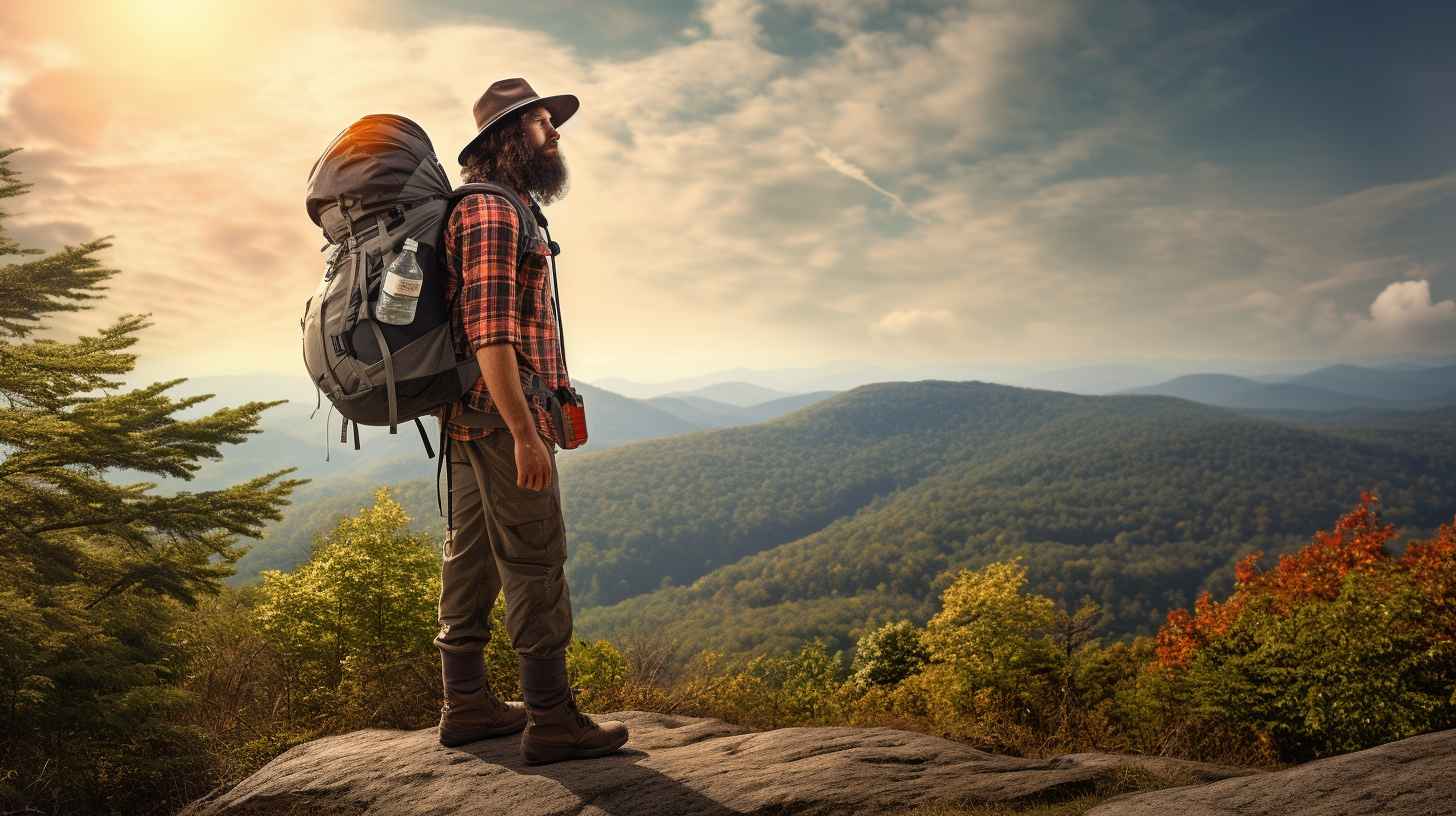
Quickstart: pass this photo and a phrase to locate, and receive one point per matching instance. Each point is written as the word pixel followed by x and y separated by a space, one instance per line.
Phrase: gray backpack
pixel 376 184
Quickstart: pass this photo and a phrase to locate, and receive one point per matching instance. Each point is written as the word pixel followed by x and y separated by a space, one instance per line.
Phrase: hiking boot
pixel 478 715
pixel 563 732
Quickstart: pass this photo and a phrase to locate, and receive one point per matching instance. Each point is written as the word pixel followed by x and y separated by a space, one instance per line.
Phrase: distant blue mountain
pixel 1383 384
pixel 713 414
pixel 742 394
pixel 1329 389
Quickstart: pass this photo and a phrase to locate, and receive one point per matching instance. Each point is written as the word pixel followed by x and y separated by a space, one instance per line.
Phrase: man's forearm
pixel 503 380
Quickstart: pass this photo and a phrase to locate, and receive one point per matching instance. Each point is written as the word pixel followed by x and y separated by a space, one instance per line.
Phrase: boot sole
pixel 566 753
pixel 452 740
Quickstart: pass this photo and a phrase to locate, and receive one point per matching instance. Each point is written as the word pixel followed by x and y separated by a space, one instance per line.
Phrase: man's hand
pixel 533 461
pixel 503 378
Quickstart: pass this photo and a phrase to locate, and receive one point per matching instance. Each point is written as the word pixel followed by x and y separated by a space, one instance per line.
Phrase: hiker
pixel 507 531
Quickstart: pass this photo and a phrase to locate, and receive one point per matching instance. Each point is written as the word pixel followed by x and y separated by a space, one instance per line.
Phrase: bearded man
pixel 507 531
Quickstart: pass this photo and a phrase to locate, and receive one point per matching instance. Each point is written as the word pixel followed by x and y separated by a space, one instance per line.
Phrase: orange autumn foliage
pixel 1315 572
pixel 1432 565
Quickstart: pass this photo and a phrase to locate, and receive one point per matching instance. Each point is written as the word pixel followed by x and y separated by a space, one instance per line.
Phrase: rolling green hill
pixel 1138 502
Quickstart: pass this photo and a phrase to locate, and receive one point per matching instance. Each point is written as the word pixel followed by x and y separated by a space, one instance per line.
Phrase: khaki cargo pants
pixel 506 537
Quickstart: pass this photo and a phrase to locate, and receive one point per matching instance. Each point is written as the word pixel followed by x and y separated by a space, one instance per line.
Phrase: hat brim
pixel 562 106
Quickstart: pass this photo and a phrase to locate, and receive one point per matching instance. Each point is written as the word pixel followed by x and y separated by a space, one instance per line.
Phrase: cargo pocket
pixel 529 519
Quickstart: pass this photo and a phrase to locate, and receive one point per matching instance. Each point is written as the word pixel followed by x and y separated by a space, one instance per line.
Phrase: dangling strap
pixel 425 438
pixel 556 295
pixel 446 443
pixel 440 463
pixel 326 430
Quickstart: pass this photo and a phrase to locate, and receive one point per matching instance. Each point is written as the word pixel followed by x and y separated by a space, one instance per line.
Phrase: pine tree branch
pixel 235 509
pixel 46 374
pixel 10 187
pixel 29 290
pixel 81 524
pixel 71 527
pixel 133 431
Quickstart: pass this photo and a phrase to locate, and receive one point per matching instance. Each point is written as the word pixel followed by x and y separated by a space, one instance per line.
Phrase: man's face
pixel 540 131
pixel 543 170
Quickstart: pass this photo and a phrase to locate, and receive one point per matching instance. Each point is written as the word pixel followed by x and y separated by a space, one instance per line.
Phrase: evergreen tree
pixel 91 571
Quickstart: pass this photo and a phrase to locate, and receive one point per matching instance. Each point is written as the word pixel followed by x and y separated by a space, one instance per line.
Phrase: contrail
pixel 846 168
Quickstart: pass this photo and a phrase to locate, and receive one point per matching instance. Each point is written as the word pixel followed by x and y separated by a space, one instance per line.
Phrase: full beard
pixel 544 174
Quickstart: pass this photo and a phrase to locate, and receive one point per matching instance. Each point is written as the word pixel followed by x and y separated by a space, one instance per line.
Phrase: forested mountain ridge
pixel 844 512
pixel 1136 501
pixel 677 507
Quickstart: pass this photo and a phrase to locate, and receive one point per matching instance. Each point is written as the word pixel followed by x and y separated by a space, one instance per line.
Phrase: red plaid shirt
pixel 501 303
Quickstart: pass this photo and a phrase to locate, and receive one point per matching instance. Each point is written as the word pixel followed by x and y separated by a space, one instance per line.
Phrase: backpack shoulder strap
pixel 523 212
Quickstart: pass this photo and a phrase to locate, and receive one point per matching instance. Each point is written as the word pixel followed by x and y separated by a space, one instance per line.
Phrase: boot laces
pixel 581 719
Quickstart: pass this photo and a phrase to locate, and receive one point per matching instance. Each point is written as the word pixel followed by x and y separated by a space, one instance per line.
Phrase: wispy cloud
pixel 1054 213
pixel 849 170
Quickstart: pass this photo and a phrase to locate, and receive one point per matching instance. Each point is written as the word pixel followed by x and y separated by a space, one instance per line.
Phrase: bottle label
pixel 396 286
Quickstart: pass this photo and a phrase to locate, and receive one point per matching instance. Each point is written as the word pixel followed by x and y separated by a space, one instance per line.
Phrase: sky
pixel 789 183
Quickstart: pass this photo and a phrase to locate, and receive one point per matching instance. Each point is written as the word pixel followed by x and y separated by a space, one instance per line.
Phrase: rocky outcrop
pixel 1412 777
pixel 671 766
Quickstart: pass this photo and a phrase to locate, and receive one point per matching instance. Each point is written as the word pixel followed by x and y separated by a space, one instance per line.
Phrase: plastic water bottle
pixel 400 293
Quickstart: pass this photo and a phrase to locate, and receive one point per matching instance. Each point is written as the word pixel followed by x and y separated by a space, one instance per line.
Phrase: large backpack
pixel 376 184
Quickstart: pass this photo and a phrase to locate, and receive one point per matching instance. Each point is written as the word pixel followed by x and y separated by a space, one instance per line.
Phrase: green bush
pixel 354 625
pixel 597 667
pixel 778 690
pixel 889 654
pixel 1334 676
pixel 995 636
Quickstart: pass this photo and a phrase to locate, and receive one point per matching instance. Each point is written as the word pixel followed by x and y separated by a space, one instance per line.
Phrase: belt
pixel 471 418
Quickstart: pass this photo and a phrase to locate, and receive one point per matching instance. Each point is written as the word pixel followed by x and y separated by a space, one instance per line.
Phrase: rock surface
pixel 671 766
pixel 1411 777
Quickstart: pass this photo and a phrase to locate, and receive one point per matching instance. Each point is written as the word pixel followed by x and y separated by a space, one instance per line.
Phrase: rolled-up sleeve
pixel 485 237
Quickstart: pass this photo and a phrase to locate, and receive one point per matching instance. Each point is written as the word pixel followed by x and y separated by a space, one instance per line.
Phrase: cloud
pixel 1356 272
pixel 1053 213
pixel 848 169
pixel 915 332
pixel 1403 318
pixel 1406 305
pixel 61 106
pixel 903 321
pixel 50 233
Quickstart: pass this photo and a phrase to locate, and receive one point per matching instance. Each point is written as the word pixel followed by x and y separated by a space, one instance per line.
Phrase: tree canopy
pixel 92 571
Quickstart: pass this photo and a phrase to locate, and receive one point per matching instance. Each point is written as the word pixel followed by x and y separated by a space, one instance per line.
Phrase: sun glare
pixel 175 18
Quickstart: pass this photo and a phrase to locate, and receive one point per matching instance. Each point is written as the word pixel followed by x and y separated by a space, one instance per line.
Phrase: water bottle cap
pixel 410 245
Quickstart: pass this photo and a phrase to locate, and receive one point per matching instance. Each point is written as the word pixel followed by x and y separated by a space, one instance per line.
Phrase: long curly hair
pixel 504 156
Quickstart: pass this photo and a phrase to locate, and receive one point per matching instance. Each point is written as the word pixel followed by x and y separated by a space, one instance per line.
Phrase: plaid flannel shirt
pixel 500 303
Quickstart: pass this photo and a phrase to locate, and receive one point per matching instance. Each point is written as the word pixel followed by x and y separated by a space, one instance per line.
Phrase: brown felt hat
pixel 506 95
